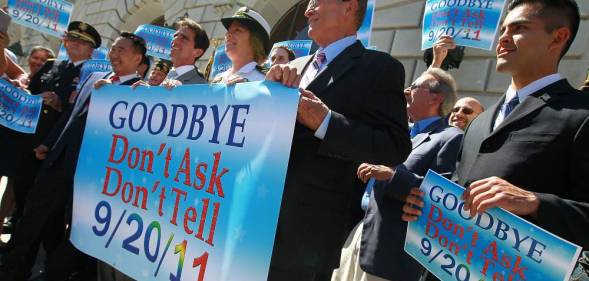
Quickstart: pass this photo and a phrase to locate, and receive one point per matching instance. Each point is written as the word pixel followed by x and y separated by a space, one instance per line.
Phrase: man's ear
pixel 560 37
pixel 437 98
pixel 198 52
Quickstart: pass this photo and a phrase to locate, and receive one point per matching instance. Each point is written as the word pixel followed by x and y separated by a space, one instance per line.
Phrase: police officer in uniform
pixel 55 82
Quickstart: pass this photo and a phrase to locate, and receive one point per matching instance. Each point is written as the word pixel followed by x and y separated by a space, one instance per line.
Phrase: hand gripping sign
pixel 184 184
pixel 494 245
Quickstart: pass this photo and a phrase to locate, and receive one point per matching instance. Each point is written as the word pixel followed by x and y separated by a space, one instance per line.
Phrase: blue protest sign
pixel 91 66
pixel 300 48
pixel 365 30
pixel 50 17
pixel 100 53
pixel 158 39
pixel 494 245
pixel 221 62
pixel 470 23
pixel 184 184
pixel 19 110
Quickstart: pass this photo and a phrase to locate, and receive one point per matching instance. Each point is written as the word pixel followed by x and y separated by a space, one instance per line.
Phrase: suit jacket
pixel 383 233
pixel 65 142
pixel 364 90
pixel 192 77
pixel 542 146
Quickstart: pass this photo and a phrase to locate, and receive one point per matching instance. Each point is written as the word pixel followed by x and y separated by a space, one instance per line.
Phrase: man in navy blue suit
pixel 374 250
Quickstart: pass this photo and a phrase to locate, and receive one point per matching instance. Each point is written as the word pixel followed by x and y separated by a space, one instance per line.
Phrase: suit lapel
pixel 534 102
pixel 424 135
pixel 186 77
pixel 336 68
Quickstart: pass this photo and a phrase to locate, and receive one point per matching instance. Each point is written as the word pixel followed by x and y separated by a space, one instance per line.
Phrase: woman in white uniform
pixel 247 44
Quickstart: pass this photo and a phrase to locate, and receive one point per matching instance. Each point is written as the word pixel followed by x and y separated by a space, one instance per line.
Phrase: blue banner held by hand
pixel 470 23
pixel 50 17
pixel 165 191
pixel 493 245
pixel 158 39
pixel 19 110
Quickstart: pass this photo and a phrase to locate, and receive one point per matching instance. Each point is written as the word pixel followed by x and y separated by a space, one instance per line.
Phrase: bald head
pixel 464 111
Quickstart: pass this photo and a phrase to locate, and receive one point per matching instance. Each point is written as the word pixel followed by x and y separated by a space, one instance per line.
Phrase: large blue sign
pixel 158 39
pixel 494 245
pixel 19 110
pixel 184 184
pixel 471 23
pixel 48 16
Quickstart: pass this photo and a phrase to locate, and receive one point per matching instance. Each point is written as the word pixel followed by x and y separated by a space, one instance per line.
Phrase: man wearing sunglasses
pixel 374 249
pixel 465 110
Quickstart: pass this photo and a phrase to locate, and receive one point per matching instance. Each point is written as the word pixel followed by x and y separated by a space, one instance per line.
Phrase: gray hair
pixel 445 85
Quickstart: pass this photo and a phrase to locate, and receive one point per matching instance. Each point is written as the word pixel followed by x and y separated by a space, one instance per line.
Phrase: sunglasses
pixel 465 110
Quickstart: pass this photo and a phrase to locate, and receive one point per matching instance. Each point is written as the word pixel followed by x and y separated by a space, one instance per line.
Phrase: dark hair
pixel 291 54
pixel 201 39
pixel 557 14
pixel 145 60
pixel 138 43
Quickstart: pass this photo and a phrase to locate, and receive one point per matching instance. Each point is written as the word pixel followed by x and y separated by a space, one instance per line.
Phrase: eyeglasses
pixel 465 110
pixel 415 87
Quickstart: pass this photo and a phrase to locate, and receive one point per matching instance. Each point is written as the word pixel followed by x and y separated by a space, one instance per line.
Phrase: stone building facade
pixel 396 30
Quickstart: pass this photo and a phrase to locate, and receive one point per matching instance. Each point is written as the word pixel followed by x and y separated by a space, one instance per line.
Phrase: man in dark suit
pixel 352 110
pixel 528 153
pixel 189 44
pixel 50 198
pixel 374 250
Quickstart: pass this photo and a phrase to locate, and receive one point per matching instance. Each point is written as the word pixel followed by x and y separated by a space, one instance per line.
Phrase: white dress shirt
pixel 179 71
pixel 523 93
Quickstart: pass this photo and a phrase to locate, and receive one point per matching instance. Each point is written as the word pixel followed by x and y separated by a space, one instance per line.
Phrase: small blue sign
pixel 100 53
pixel 19 110
pixel 92 66
pixel 471 23
pixel 158 39
pixel 48 16
pixel 300 48
pixel 221 62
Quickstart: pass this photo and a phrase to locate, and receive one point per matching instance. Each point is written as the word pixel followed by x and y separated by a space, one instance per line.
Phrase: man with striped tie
pixel 528 153
pixel 352 110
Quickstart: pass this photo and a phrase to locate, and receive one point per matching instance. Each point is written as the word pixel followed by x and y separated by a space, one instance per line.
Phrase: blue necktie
pixel 414 130
pixel 510 106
